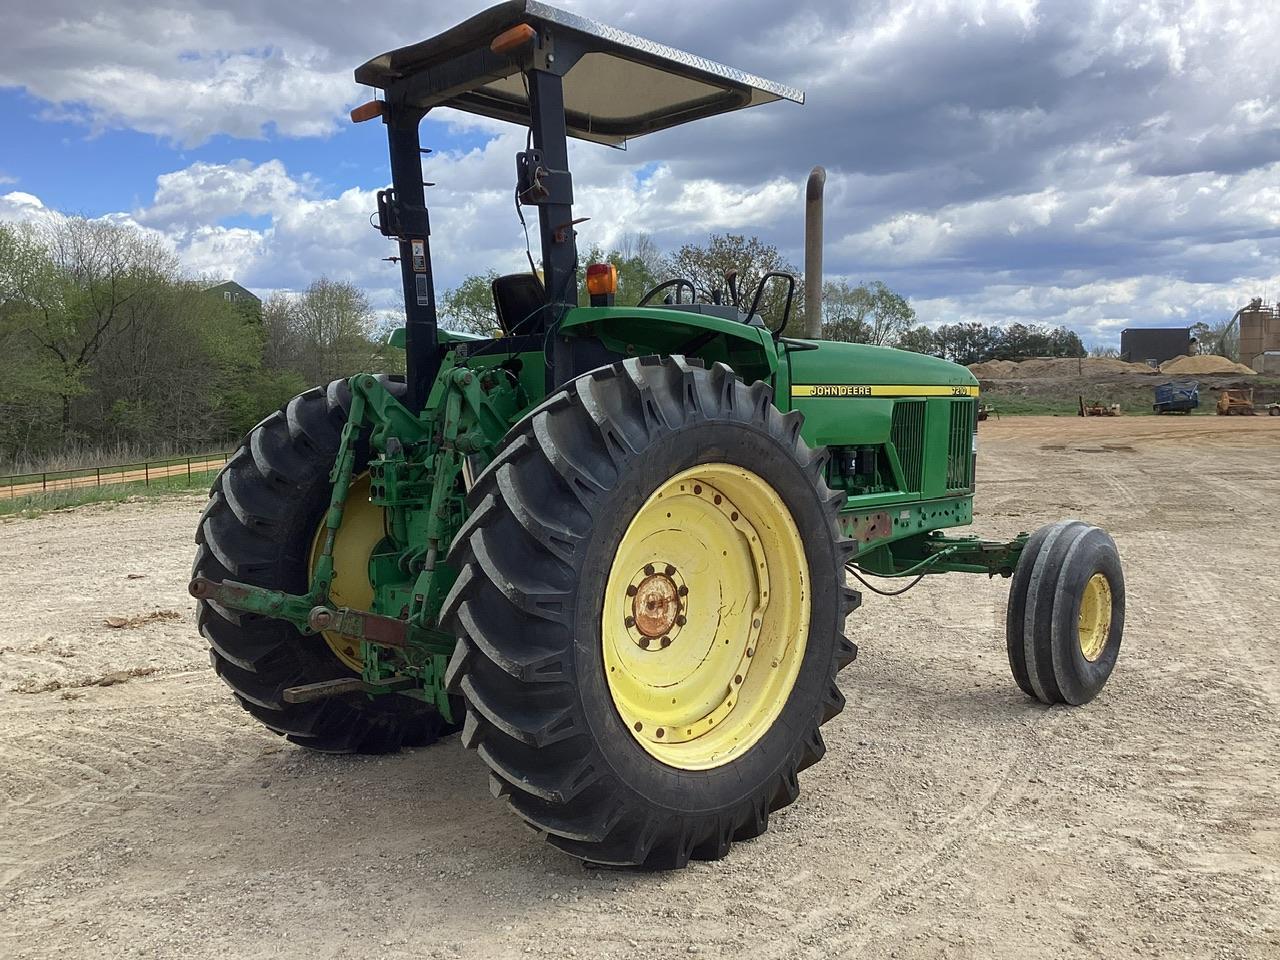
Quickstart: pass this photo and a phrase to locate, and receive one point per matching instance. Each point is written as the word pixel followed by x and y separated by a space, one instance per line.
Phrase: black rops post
pixel 402 214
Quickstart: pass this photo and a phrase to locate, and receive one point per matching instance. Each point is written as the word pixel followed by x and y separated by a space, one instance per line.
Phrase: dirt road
pixel 951 817
pixel 146 474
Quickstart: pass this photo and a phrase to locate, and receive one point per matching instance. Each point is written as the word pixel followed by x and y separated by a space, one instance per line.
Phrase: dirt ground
pixel 142 813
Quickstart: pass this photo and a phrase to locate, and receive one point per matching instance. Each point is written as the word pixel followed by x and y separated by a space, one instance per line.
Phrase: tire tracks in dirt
pixel 846 929
pixel 60 770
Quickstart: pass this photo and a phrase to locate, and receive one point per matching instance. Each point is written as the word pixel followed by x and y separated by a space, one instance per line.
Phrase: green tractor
pixel 610 544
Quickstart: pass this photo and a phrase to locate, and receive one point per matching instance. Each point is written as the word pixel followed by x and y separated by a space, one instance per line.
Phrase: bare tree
pixel 867 313
pixel 640 247
pixel 331 324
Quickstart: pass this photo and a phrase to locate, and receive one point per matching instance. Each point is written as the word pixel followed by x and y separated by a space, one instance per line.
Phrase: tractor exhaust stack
pixel 813 253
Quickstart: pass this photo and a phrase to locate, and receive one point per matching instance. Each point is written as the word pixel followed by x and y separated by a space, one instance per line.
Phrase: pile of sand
pixel 1055 367
pixel 1204 364
pixel 993 369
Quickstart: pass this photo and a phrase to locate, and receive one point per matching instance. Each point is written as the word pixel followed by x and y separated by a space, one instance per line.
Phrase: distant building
pixel 1259 335
pixel 1155 345
pixel 231 291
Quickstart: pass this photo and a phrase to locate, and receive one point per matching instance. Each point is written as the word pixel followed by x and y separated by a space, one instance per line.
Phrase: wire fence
pixel 144 472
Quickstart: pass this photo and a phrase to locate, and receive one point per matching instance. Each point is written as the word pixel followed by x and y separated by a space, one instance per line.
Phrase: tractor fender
pixel 640 331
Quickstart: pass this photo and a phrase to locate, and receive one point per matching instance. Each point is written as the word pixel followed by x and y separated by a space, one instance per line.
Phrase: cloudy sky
pixel 1097 164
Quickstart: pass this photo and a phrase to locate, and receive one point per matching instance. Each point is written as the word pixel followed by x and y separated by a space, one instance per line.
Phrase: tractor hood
pixel 838 364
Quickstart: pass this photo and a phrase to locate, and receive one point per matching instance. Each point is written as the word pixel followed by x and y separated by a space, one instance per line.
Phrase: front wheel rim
pixel 706 616
pixel 1093 626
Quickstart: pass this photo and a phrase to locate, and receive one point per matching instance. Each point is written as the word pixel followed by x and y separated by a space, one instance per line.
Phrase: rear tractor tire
pixel 260 527
pixel 650 610
pixel 1065 618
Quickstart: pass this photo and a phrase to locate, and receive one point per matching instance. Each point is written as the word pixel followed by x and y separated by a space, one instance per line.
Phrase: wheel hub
pixel 654 609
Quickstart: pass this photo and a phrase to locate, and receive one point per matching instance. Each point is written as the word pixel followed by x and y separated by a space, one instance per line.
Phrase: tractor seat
pixel 519 299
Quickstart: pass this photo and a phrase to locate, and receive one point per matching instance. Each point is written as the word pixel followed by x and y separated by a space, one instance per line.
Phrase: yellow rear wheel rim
pixel 363 527
pixel 706 616
pixel 1094 625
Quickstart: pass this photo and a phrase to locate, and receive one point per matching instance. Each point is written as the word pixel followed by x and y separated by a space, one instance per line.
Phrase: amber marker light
pixel 602 283
pixel 602 278
pixel 366 111
pixel 515 38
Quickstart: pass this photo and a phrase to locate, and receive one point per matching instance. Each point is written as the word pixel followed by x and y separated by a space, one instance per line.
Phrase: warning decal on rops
pixel 419 256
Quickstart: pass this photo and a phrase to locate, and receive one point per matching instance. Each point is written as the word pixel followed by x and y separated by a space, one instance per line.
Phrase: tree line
pixel 105 344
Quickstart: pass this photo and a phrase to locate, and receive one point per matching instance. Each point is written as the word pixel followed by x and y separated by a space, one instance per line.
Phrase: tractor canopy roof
pixel 616 85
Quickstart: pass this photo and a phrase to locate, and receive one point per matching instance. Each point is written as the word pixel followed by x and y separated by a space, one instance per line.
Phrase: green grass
pixel 1013 406
pixel 37 503
pixel 1135 395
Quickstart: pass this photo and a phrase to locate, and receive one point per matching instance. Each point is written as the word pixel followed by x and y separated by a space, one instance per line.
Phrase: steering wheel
pixel 679 283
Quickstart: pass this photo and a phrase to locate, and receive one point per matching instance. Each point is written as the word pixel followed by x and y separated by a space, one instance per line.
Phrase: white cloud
pixel 19 207
pixel 205 193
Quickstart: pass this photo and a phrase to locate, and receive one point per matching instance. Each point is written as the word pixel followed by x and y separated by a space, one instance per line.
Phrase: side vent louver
pixel 960 446
pixel 907 436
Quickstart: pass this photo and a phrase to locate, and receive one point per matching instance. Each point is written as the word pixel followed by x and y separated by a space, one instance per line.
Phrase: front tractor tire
pixel 260 527
pixel 1065 618
pixel 650 611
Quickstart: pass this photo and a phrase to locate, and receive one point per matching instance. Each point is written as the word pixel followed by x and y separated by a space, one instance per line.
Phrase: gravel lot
pixel 142 813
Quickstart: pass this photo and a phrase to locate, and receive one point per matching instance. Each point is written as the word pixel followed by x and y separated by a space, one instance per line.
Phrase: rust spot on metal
pixel 385 631
pixel 870 527
pixel 656 605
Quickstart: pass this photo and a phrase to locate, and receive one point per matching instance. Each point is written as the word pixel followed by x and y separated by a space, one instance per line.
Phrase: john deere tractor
pixel 610 544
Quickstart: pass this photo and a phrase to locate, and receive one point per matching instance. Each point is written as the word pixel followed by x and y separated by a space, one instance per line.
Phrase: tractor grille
pixel 907 436
pixel 960 446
